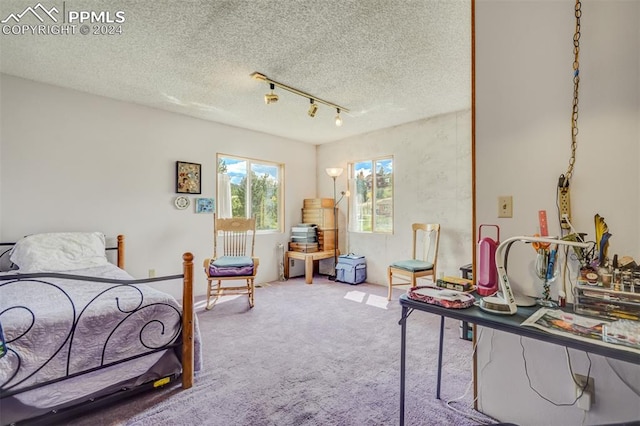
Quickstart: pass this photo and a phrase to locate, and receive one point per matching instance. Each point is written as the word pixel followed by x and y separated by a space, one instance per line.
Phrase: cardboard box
pixel 455 283
pixel 327 239
pixel 303 247
pixel 317 203
pixel 322 217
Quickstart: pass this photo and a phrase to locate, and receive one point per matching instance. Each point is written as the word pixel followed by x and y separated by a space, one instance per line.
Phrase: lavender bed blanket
pixel 57 327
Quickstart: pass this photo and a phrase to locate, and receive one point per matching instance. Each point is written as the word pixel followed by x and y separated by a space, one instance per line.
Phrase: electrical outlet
pixel 152 273
pixel 565 208
pixel 586 397
pixel 505 206
pixel 564 204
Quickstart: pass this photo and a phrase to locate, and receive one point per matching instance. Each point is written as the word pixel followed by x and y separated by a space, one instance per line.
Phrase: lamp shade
pixel 334 171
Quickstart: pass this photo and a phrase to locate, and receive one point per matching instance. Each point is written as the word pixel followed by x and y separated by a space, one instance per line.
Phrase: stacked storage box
pixel 327 239
pixel 351 269
pixel 319 211
pixel 317 203
pixel 322 217
pixel 304 238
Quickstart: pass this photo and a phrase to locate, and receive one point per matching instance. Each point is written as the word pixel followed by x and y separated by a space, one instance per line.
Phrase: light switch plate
pixel 505 206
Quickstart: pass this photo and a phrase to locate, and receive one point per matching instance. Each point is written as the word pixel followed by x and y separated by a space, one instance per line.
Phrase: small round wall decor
pixel 182 202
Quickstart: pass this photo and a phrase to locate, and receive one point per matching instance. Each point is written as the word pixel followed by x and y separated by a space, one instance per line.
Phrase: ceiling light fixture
pixel 312 109
pixel 272 97
pixel 338 118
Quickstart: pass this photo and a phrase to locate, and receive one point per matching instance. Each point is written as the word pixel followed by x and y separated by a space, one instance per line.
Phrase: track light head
pixel 312 109
pixel 271 98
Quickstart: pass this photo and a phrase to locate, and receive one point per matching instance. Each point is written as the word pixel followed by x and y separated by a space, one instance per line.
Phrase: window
pixel 250 188
pixel 372 205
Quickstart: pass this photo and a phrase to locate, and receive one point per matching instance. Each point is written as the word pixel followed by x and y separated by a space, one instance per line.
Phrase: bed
pixel 77 332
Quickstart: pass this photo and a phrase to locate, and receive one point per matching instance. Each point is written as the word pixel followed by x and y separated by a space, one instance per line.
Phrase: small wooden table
pixel 309 259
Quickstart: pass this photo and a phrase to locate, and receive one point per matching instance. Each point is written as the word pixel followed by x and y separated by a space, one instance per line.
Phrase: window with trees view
pixel 250 188
pixel 372 200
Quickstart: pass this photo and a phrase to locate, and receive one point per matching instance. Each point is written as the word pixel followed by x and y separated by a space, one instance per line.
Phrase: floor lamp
pixel 334 172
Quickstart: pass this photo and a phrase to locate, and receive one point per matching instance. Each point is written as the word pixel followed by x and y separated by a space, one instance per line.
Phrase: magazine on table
pixel 568 324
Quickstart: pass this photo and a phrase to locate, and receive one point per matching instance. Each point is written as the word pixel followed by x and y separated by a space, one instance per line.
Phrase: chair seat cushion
pixel 232 261
pixel 231 266
pixel 230 271
pixel 413 265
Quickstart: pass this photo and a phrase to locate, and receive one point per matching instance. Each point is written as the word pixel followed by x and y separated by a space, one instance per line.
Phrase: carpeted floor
pixel 321 354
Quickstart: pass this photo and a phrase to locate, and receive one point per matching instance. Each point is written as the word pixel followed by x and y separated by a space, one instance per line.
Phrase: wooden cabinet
pixel 323 217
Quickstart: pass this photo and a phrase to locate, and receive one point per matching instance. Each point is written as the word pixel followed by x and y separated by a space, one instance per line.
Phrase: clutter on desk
pixel 597 269
pixel 606 302
pixel 441 296
pixel 623 332
pixel 559 322
pixel 607 287
pixel 455 283
pixel 466 329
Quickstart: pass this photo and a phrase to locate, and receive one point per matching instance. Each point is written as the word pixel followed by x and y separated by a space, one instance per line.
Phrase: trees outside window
pixel 256 188
pixel 372 202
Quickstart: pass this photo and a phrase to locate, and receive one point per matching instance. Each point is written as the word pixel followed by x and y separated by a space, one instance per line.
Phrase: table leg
pixel 440 357
pixel 403 345
pixel 308 269
pixel 286 265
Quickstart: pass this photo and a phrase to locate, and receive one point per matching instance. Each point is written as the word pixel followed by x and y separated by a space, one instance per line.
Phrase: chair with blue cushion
pixel 234 260
pixel 424 257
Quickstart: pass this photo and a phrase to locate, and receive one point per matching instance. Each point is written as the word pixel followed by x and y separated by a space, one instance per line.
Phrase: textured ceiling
pixel 388 61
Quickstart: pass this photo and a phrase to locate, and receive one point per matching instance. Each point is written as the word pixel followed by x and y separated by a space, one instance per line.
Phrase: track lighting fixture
pixel 312 109
pixel 338 118
pixel 270 98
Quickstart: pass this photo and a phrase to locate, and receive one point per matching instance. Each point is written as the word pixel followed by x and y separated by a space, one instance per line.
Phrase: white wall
pixel 523 101
pixel 432 183
pixel 73 161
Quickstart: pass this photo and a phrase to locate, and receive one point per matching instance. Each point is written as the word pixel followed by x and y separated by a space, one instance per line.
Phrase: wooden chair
pixel 233 261
pixel 424 259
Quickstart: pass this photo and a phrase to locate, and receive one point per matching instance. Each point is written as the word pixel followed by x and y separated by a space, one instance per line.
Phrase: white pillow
pixel 5 261
pixel 61 251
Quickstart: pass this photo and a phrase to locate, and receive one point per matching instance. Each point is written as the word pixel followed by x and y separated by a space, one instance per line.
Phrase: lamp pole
pixel 334 172
pixel 335 231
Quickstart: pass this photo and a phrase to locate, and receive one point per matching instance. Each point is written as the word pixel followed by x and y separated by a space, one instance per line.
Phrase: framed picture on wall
pixel 187 178
pixel 205 205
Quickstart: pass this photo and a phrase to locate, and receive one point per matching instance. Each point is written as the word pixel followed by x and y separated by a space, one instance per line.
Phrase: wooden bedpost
pixel 187 322
pixel 120 259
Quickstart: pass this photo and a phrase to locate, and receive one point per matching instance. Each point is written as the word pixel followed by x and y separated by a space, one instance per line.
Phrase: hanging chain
pixel 576 85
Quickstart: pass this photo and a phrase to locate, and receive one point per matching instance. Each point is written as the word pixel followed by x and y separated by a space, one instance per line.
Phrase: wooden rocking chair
pixel 233 261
